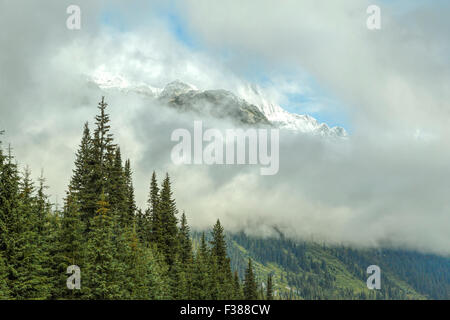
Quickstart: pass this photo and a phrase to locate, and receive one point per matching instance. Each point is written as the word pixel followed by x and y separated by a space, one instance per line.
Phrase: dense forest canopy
pixel 126 252
pixel 123 252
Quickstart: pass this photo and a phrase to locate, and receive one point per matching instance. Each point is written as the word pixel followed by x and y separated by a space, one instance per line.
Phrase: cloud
pixel 395 79
pixel 386 185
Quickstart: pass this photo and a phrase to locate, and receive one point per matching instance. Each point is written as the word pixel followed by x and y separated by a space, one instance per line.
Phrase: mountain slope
pixel 306 270
pixel 251 109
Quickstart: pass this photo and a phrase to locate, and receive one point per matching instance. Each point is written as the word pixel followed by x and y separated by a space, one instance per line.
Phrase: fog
pixel 386 185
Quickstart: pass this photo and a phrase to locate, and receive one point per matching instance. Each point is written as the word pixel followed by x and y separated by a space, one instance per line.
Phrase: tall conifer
pixel 250 287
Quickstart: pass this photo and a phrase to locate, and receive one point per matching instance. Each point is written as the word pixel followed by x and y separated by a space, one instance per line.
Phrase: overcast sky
pixel 388 184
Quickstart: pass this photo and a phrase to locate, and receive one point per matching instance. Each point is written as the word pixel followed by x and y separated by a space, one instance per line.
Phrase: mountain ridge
pixel 187 97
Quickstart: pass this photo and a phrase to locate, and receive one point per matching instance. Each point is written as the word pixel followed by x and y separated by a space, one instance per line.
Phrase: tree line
pixel 123 252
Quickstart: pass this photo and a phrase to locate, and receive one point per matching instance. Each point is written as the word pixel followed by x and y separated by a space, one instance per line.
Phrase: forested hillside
pixel 305 270
pixel 123 252
pixel 126 252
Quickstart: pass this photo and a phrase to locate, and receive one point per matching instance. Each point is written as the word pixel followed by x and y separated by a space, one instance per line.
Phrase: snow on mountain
pixel 250 99
pixel 176 88
pixel 284 119
pixel 107 80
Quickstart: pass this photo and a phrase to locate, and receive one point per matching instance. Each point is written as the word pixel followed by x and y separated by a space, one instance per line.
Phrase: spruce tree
pixel 28 256
pixel 202 277
pixel 153 213
pixel 146 274
pixel 72 244
pixel 116 189
pixel 10 223
pixel 185 241
pixel 84 184
pixel 103 156
pixel 103 142
pixel 129 193
pixel 103 271
pixel 4 289
pixel 219 254
pixel 185 258
pixel 169 244
pixel 250 287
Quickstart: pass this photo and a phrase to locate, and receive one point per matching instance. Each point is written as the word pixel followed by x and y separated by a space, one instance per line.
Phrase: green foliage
pixel 224 276
pixel 103 271
pixel 169 242
pixel 153 213
pixel 128 253
pixel 306 270
pixel 250 286
pixel 269 287
pixel 4 289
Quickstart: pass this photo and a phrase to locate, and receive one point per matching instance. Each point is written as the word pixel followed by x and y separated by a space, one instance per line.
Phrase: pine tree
pixel 250 286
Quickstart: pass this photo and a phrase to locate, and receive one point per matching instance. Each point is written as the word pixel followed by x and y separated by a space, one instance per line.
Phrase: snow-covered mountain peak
pixel 105 79
pixel 247 97
pixel 284 119
pixel 175 88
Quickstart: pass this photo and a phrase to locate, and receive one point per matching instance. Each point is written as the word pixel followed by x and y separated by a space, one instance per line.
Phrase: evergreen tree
pixel 72 244
pixel 250 286
pixel 117 192
pixel 169 244
pixel 122 252
pixel 4 290
pixel 102 268
pixel 202 283
pixel 130 201
pixel 269 288
pixel 153 212
pixel 185 241
pixel 145 274
pixel 27 256
pixel 237 291
pixel 104 174
pixel 103 144
pixel 185 259
pixel 83 184
pixel 224 276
